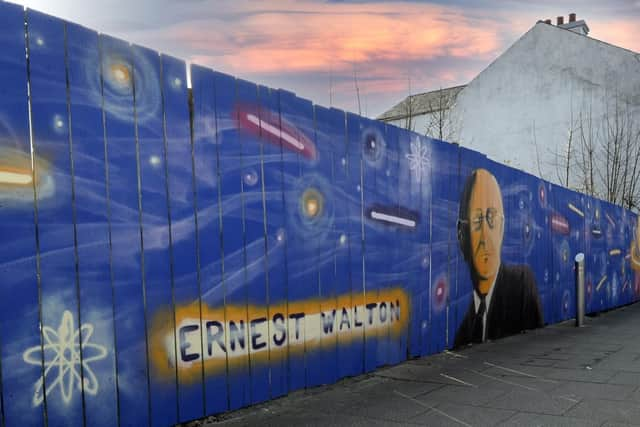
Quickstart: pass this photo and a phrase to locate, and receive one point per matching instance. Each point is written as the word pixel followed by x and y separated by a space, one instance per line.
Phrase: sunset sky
pixel 315 47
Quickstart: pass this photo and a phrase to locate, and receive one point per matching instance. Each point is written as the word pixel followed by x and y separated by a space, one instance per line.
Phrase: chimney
pixel 574 25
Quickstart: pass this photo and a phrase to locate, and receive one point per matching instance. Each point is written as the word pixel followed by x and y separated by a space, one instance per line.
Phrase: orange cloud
pixel 306 36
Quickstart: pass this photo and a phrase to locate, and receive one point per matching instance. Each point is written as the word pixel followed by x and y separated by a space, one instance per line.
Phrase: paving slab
pixel 463 395
pixel 448 414
pixel 587 374
pixel 582 390
pixel 602 410
pixel 533 401
pixel 611 424
pixel 396 408
pixel 524 419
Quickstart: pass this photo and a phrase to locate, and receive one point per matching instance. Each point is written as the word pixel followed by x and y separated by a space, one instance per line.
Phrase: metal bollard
pixel 579 289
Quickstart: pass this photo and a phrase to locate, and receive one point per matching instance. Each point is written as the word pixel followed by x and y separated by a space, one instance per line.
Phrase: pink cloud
pixel 622 33
pixel 319 37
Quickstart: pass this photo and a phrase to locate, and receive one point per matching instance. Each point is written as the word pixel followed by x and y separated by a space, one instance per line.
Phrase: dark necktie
pixel 478 323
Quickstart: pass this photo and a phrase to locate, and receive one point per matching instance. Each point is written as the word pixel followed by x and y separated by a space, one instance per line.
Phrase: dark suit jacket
pixel 515 306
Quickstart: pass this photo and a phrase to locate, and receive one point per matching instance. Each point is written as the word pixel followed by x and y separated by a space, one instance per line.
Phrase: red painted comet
pixel 559 224
pixel 269 125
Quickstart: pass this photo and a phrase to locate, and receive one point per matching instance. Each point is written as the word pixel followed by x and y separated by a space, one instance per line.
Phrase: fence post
pixel 579 268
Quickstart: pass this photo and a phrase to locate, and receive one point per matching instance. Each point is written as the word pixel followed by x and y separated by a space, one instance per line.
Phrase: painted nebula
pixel 373 147
pixel 542 195
pixel 119 76
pixel 250 177
pixel 440 293
pixel 311 203
pixel 114 83
pixel 311 206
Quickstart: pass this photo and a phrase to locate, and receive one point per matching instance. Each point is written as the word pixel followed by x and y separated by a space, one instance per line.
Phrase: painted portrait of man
pixel 505 297
pixel 635 249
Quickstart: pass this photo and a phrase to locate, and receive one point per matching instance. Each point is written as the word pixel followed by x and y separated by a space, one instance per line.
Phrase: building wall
pixel 534 94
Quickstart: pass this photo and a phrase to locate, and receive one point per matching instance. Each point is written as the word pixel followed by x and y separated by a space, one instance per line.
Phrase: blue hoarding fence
pixel 172 252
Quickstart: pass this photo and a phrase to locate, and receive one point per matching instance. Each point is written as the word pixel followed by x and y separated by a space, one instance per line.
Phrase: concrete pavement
pixel 556 376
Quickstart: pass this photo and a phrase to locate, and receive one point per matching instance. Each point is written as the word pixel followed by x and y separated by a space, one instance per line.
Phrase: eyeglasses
pixel 478 218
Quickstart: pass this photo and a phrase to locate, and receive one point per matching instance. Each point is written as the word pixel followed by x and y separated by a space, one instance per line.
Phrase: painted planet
pixel 312 203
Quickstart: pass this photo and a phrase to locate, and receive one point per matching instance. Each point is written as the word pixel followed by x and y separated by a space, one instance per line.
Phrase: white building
pixel 552 87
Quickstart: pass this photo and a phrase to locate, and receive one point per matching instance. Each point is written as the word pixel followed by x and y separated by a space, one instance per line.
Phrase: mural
pixel 634 251
pixel 505 298
pixel 172 252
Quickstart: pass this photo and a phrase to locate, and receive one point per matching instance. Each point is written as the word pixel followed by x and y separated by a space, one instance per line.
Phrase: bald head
pixel 484 218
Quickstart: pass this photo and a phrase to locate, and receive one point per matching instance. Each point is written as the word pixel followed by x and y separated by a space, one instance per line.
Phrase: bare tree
pixel 535 145
pixel 330 87
pixel 587 146
pixel 408 108
pixel 608 152
pixel 564 155
pixel 620 150
pixel 408 112
pixel 436 123
pixel 440 123
pixel 355 82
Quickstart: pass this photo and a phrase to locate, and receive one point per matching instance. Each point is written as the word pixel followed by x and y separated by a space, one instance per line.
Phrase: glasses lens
pixel 477 222
pixel 491 216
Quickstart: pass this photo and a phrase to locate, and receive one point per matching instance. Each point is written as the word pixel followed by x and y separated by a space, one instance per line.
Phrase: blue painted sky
pixel 315 47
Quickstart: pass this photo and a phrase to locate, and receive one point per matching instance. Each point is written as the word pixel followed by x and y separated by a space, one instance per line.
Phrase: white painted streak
pixel 289 139
pixel 576 210
pixel 393 219
pixel 611 221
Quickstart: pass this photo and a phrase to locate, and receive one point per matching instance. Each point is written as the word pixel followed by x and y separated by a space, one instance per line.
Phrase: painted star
pixel 62 358
pixel 418 158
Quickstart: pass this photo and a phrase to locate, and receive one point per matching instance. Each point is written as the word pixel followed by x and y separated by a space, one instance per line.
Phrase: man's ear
pixel 499 254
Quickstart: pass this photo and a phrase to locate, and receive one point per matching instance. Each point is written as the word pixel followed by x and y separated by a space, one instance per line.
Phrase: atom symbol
pixel 61 356
pixel 419 158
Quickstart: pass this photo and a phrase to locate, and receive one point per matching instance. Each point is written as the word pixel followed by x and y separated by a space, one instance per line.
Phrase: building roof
pixel 423 103
pixel 579 27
